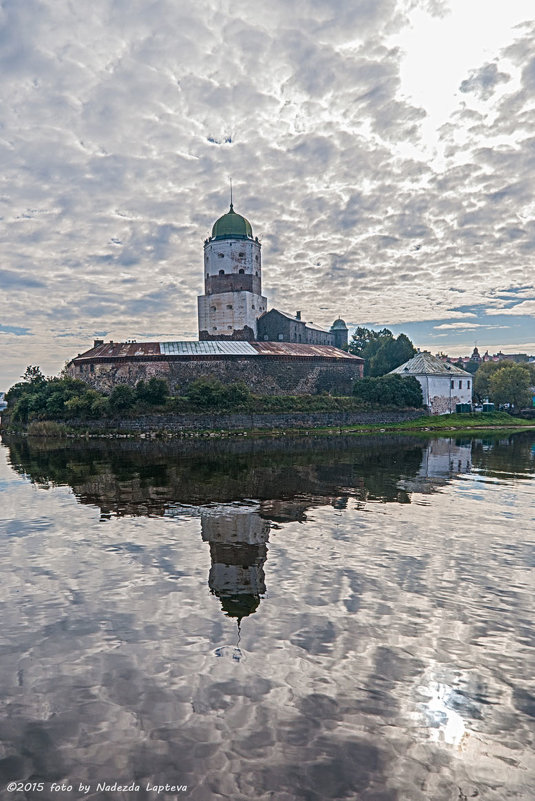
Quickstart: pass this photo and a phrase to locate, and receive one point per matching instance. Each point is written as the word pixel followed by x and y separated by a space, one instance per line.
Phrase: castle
pixel 275 353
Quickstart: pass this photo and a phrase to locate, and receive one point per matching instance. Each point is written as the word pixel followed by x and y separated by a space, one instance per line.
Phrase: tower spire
pixel 231 206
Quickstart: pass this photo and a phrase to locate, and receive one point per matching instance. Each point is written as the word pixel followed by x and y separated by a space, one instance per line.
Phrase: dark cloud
pixel 484 81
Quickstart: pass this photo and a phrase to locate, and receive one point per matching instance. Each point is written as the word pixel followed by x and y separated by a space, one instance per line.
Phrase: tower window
pixel 221 272
pixel 229 327
pixel 460 384
pixel 241 271
pixel 256 258
pixel 253 305
pixel 214 328
pixel 241 255
pixel 229 305
pixel 208 275
pixel 256 273
pixel 213 308
pixel 221 255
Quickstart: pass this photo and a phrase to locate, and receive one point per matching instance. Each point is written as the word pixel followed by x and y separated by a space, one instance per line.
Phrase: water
pixel 320 619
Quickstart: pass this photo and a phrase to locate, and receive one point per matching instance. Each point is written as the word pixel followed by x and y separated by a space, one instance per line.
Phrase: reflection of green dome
pixel 339 324
pixel 232 226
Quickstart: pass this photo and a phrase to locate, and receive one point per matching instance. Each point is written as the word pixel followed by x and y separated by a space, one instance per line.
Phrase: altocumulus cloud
pixel 123 121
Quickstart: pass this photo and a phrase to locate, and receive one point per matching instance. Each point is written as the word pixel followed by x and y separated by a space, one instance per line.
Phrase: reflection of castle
pixel 238 548
pixel 442 459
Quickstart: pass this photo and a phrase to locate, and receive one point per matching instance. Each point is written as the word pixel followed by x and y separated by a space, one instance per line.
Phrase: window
pixel 256 273
pixel 460 384
pixel 221 255
pixel 229 327
pixel 91 368
pixel 229 305
pixel 208 275
pixel 221 272
pixel 452 382
pixel 256 258
pixel 279 336
pixel 253 305
pixel 214 328
pixel 241 271
pixel 241 255
pixel 213 308
pixel 265 337
pixel 468 385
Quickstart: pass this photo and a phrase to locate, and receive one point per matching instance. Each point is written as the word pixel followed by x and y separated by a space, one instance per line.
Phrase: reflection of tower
pixel 238 548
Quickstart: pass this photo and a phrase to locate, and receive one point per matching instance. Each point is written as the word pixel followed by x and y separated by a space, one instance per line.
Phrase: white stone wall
pixel 443 393
pixel 221 314
pixel 232 255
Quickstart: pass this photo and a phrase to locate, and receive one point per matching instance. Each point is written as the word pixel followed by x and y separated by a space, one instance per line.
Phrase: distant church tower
pixel 232 300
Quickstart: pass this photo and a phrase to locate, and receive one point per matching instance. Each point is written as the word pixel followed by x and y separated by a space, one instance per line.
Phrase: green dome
pixel 339 324
pixel 232 226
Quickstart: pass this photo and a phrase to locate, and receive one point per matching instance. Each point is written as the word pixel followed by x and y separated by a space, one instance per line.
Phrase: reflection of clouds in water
pixel 443 720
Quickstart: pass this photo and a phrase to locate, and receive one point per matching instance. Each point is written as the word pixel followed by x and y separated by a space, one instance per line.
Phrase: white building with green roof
pixel 443 385
pixel 232 300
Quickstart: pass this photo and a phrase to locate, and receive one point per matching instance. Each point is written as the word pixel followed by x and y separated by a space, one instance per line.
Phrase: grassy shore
pixel 431 424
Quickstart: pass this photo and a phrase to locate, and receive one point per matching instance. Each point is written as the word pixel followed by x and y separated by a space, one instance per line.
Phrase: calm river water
pixel 312 619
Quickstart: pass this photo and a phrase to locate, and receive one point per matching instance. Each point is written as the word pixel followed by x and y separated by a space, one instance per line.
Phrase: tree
pixel 482 378
pixel 511 384
pixel 389 390
pixel 33 375
pixel 381 351
pixel 154 391
pixel 122 398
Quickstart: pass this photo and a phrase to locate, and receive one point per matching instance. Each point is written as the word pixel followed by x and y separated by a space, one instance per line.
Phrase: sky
pixel 383 150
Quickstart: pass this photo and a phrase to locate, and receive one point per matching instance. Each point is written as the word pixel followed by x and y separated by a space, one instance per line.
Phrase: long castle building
pixel 275 353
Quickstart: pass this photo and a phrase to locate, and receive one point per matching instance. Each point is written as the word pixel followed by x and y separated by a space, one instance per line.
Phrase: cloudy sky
pixel 383 150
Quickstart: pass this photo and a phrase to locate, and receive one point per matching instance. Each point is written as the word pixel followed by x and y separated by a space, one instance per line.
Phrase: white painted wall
pixel 220 314
pixel 443 393
pixel 225 254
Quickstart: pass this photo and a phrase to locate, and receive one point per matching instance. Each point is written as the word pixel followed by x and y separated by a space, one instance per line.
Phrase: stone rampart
pixel 177 423
pixel 262 374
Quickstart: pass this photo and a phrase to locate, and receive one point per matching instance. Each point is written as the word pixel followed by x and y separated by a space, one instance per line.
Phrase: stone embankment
pixel 178 423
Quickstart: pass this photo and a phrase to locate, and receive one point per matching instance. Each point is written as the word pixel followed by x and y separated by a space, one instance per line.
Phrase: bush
pixel 389 390
pixel 209 393
pixel 155 391
pixel 122 398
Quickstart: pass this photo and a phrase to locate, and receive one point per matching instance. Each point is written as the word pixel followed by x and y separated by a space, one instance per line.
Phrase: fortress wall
pixel 263 375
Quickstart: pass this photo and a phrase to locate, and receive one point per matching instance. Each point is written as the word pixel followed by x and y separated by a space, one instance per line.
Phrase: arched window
pixel 221 272
pixel 221 255
pixel 241 271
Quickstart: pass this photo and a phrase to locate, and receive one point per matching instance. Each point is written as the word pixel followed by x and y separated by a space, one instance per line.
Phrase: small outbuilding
pixel 444 386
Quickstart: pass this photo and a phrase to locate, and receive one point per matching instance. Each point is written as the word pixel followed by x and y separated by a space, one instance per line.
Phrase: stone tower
pixel 340 332
pixel 232 300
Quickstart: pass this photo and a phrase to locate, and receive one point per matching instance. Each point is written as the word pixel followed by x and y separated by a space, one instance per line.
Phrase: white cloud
pixel 113 175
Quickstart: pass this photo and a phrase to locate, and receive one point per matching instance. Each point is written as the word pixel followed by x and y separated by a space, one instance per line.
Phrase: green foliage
pixel 485 375
pixel 33 374
pixel 481 379
pixel 209 393
pixel 511 384
pixel 40 398
pixel 389 390
pixel 381 351
pixel 155 391
pixel 122 398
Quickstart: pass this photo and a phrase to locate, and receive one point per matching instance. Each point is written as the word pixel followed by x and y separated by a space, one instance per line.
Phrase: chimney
pixel 298 315
pixel 98 342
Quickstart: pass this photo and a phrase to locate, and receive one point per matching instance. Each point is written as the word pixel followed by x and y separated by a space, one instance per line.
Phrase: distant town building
pixel 443 385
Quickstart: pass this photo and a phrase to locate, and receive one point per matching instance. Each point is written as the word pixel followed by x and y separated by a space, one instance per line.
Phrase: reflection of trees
pixel 513 454
pixel 148 478
pixel 286 476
